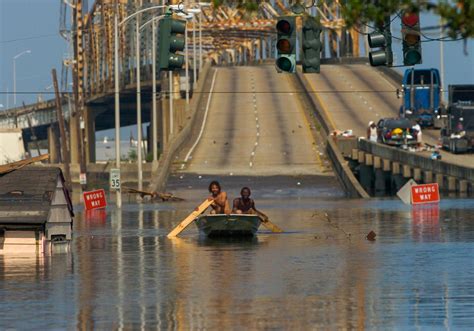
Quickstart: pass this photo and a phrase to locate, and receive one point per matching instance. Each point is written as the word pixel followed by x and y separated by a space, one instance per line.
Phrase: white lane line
pixel 191 150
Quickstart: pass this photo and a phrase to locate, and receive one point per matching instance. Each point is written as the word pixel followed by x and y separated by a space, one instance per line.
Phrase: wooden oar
pixel 191 217
pixel 267 223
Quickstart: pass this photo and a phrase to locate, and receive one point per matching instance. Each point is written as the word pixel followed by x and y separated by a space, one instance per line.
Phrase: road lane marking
pixel 191 150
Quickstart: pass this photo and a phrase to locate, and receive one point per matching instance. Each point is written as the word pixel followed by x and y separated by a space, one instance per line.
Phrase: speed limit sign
pixel 115 179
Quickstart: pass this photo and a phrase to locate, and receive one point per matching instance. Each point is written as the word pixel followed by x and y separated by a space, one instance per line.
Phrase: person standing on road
pixel 372 133
pixel 417 129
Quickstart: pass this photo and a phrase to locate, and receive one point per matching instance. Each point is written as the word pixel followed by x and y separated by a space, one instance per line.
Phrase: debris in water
pixel 371 236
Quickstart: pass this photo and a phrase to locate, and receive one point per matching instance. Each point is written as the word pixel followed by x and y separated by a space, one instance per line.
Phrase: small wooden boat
pixel 228 225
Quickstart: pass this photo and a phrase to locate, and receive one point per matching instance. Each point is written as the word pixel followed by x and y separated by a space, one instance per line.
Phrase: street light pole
pixel 194 53
pixel 200 41
pixel 117 94
pixel 186 64
pixel 117 105
pixel 153 93
pixel 14 73
pixel 170 78
pixel 139 106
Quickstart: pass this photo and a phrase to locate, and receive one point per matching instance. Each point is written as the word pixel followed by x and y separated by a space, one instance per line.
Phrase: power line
pixel 29 38
pixel 218 92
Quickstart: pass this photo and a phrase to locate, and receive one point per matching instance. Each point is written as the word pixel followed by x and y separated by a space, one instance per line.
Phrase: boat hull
pixel 233 225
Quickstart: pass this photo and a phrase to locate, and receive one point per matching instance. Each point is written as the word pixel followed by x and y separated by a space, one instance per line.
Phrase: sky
pixel 34 25
pixel 38 20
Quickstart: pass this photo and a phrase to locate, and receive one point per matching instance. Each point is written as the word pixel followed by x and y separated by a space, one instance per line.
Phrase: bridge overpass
pixel 349 94
pixel 254 125
pixel 255 122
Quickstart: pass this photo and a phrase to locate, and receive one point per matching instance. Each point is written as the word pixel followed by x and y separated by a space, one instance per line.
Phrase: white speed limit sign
pixel 115 179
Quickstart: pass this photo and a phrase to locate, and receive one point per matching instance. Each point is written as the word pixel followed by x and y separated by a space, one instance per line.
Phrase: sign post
pixel 115 179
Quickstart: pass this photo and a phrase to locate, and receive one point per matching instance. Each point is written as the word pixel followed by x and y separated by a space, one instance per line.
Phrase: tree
pixel 457 15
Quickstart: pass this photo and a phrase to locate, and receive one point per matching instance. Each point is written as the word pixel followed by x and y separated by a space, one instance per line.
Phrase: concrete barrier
pixel 162 169
pixel 344 174
pixel 347 179
pixel 417 161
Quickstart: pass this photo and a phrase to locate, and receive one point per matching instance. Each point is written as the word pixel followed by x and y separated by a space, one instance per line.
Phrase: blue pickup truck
pixel 422 97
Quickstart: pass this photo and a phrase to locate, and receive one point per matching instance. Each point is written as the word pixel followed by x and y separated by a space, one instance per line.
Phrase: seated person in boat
pixel 244 205
pixel 220 204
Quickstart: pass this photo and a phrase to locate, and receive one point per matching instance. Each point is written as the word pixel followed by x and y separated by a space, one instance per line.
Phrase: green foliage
pixel 458 15
pixel 132 155
pixel 248 5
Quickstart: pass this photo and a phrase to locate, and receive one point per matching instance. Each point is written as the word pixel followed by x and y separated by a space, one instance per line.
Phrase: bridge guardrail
pixel 416 161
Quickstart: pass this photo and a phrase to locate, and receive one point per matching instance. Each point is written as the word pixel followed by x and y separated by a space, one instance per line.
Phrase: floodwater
pixel 123 273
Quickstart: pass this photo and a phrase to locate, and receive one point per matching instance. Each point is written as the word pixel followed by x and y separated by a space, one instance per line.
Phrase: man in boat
pixel 220 204
pixel 244 205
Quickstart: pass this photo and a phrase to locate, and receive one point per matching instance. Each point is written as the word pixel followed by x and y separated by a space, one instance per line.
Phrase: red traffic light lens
pixel 283 26
pixel 284 46
pixel 410 19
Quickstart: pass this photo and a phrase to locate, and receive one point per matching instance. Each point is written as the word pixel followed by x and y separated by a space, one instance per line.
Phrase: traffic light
pixel 381 39
pixel 171 41
pixel 286 44
pixel 311 45
pixel 411 38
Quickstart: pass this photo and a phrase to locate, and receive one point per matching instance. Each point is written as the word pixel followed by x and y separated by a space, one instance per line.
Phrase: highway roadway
pixel 352 95
pixel 255 125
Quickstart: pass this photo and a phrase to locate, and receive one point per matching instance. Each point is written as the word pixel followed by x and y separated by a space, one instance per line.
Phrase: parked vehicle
pixel 396 131
pixel 422 97
pixel 457 135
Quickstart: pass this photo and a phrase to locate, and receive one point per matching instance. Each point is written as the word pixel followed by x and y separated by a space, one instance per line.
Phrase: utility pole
pixel 441 56
pixel 139 106
pixel 62 130
pixel 77 88
pixel 117 103
pixel 32 131
pixel 155 112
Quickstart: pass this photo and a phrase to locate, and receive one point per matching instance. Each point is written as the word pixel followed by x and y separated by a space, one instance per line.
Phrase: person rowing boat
pixel 220 204
pixel 244 205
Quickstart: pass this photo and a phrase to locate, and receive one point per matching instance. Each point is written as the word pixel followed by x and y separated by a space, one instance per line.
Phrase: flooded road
pixel 322 273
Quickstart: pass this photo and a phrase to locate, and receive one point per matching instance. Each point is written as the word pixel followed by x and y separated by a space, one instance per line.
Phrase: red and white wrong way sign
pixel 425 193
pixel 95 199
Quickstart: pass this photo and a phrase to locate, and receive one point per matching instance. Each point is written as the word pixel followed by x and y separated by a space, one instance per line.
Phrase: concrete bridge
pixel 346 95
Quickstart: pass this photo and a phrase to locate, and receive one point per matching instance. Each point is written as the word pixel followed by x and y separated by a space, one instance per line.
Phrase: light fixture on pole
pixel 14 73
pixel 153 85
pixel 195 11
pixel 186 52
pixel 117 90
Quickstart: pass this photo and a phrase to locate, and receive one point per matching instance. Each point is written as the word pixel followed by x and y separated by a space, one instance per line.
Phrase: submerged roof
pixel 26 194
